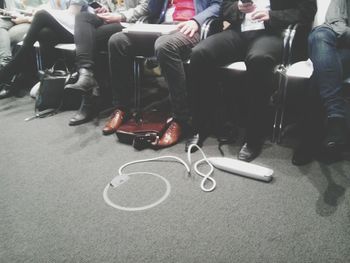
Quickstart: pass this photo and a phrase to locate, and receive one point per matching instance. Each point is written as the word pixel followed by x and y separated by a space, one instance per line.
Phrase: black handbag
pixel 52 82
pixel 51 96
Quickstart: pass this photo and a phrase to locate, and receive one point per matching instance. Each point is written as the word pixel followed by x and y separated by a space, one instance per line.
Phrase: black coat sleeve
pixel 282 13
pixel 230 13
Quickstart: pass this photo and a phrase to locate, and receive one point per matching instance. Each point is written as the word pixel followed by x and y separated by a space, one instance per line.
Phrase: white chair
pixel 301 70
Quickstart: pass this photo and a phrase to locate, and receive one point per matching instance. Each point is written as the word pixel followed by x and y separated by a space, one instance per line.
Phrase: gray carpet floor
pixel 51 207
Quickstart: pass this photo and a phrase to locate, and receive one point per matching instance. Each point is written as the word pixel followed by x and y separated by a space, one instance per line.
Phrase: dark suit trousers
pixel 261 51
pixel 171 51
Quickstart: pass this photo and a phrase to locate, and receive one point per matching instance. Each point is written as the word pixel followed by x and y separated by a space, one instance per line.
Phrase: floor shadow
pixel 331 193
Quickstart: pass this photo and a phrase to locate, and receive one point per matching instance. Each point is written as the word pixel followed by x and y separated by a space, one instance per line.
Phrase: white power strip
pixel 208 183
pixel 242 168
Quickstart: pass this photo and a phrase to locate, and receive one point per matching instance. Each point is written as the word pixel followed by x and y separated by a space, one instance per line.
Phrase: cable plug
pixel 119 180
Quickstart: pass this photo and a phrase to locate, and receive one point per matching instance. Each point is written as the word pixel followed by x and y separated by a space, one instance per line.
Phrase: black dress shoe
pixel 5 93
pixel 303 154
pixel 84 114
pixel 249 152
pixel 194 139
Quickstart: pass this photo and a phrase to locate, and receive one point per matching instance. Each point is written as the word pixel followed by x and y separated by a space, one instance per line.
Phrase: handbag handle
pixel 58 62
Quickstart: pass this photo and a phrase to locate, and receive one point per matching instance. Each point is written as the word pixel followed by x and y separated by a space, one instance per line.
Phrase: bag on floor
pixel 50 96
pixel 144 131
pixel 50 93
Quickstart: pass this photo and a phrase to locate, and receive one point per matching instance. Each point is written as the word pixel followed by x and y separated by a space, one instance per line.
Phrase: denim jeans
pixel 5 42
pixel 330 61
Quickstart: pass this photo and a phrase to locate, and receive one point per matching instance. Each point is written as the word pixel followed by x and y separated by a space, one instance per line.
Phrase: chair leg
pixel 279 103
pixel 138 62
pixel 283 108
pixel 39 63
pixel 275 125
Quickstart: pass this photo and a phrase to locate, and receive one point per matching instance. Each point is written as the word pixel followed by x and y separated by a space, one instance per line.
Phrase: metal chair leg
pixel 39 63
pixel 279 104
pixel 283 108
pixel 138 62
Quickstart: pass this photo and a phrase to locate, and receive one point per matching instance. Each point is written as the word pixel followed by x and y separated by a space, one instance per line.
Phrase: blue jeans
pixel 330 62
pixel 10 34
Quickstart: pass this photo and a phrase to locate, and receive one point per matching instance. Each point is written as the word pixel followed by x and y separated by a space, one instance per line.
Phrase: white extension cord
pixel 123 177
pixel 229 165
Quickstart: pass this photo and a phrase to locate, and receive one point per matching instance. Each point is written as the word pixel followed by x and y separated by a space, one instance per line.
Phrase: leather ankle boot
pixel 85 83
pixel 4 75
pixel 84 114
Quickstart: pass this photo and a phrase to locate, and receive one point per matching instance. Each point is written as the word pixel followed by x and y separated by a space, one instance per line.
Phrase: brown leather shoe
pixel 114 122
pixel 171 136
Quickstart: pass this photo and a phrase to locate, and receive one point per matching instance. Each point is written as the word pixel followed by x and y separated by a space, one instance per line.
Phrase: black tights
pixel 48 32
pixel 91 34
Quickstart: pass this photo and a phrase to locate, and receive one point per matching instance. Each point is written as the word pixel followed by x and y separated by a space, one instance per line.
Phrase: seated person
pixel 46 29
pixel 254 36
pixel 329 51
pixel 13 25
pixel 171 50
pixel 92 31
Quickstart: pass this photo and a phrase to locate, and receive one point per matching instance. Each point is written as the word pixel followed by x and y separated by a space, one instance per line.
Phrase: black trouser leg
pixel 206 58
pixel 41 20
pixel 91 34
pixel 122 49
pixel 262 56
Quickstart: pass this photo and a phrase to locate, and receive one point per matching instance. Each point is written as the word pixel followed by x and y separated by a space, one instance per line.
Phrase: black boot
pixel 85 112
pixel 5 76
pixel 86 82
pixel 336 134
pixel 5 91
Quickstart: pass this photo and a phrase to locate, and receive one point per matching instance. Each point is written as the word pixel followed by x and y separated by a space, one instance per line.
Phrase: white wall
pixel 322 6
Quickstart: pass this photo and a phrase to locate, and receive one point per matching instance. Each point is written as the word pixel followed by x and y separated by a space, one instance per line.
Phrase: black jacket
pixel 282 13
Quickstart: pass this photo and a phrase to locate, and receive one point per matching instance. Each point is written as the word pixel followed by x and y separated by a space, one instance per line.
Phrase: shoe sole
pixel 79 122
pixel 108 132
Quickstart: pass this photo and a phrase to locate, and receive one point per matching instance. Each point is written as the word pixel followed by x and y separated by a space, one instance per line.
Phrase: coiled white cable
pixel 206 176
pixel 178 159
pixel 121 177
pixel 131 209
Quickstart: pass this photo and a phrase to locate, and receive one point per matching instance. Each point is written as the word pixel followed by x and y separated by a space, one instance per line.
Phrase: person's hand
pixel 246 7
pixel 188 28
pixel 20 20
pixel 261 15
pixel 101 10
pixel 110 17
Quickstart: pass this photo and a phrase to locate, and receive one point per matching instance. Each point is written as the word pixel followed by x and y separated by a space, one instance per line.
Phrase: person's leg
pixel 5 43
pixel 327 80
pixel 41 20
pixel 89 31
pixel 172 51
pixel 215 51
pixel 328 70
pixel 48 39
pixel 17 32
pixel 264 53
pixel 85 28
pixel 122 48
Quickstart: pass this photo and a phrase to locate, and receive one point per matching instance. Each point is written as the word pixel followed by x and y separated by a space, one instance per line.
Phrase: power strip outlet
pixel 242 168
